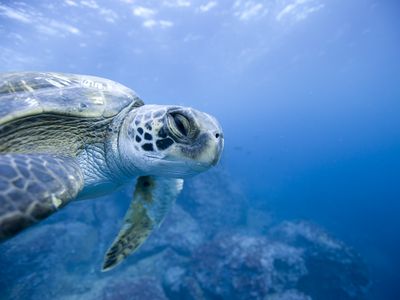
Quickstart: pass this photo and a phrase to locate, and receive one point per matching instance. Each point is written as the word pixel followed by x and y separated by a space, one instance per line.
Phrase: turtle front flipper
pixel 33 186
pixel 152 199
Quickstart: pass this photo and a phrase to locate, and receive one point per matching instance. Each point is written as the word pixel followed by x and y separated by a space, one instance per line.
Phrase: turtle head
pixel 171 141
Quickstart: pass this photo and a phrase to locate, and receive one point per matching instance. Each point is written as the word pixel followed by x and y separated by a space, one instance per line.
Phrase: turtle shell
pixel 25 94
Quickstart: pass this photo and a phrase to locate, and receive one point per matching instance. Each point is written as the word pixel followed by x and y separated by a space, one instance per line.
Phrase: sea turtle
pixel 65 137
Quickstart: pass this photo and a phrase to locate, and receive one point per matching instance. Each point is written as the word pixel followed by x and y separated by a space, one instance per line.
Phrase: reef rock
pixel 46 261
pixel 334 271
pixel 141 288
pixel 297 261
pixel 215 201
pixel 179 232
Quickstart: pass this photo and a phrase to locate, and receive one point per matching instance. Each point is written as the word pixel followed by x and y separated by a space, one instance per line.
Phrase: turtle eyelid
pixel 182 124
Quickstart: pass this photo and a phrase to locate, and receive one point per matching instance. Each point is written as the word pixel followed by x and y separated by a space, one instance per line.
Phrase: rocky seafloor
pixel 212 245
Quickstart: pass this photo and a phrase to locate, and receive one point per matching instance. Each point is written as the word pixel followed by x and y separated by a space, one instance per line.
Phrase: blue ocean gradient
pixel 307 92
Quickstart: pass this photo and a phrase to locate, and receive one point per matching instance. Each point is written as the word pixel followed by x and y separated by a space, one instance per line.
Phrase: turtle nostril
pixel 217 135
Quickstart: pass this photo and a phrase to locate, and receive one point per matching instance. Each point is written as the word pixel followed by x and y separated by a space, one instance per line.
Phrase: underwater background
pixel 305 202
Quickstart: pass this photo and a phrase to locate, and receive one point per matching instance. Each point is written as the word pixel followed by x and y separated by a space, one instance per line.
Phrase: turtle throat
pixel 118 162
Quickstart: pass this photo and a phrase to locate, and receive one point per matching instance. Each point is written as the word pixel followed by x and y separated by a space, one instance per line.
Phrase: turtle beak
pixel 212 154
pixel 215 139
pixel 219 136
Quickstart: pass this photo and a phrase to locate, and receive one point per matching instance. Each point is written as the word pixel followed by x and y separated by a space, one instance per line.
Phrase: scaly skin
pixel 34 186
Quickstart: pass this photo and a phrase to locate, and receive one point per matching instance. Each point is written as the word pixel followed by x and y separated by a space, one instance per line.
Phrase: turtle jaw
pixel 218 150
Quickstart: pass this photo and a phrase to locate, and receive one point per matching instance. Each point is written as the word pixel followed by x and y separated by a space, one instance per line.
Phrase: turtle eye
pixel 179 125
pixel 182 124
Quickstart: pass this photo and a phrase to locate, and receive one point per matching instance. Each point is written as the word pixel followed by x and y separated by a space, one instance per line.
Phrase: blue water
pixel 308 94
